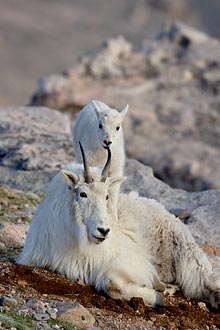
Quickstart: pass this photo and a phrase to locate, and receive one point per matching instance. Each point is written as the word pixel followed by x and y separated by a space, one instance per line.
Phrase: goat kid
pixel 99 127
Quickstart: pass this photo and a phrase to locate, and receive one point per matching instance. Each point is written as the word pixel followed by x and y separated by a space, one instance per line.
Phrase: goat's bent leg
pixel 129 290
pixel 194 272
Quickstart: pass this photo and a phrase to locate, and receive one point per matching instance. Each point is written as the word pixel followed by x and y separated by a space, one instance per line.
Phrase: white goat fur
pixel 146 247
pixel 88 131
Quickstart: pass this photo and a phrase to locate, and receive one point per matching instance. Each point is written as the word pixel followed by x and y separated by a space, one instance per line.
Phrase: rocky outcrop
pixel 172 84
pixel 34 144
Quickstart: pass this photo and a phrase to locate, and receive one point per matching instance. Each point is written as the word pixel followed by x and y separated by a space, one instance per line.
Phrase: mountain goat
pixel 99 127
pixel 73 232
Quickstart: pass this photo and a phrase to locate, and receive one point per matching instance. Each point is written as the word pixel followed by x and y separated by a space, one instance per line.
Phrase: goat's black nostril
pixel 103 231
pixel 107 142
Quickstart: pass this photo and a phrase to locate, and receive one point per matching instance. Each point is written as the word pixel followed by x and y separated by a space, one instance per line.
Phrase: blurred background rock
pixel 39 37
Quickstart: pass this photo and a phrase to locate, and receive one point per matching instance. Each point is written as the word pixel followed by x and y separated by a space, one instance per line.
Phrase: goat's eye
pixel 106 197
pixel 83 194
pixel 117 128
pixel 100 126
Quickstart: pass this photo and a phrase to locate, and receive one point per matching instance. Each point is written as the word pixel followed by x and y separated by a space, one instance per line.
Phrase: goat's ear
pixel 124 112
pixel 71 178
pixel 96 107
pixel 113 180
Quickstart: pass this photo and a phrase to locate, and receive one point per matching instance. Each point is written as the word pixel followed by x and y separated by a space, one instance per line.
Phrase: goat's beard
pixel 82 237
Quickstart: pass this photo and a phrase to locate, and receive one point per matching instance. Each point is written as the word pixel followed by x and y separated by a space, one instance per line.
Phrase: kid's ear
pixel 113 180
pixel 124 112
pixel 70 178
pixel 96 107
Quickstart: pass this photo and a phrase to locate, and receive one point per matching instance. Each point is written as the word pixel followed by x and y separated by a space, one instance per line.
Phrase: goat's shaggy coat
pixel 74 234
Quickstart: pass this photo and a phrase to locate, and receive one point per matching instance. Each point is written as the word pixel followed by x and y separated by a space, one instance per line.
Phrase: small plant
pixel 63 324
pixel 16 205
pixel 9 319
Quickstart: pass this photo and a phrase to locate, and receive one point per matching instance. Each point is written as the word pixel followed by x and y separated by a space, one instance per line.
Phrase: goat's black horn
pixel 87 173
pixel 105 170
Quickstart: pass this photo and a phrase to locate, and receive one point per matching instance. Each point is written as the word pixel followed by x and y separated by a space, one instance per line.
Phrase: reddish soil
pixel 178 312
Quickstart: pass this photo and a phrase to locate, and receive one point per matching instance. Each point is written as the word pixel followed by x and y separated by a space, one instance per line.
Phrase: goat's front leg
pixel 119 289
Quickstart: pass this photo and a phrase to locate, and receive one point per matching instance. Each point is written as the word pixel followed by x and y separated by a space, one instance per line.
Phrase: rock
pixel 13 235
pixel 8 301
pixel 138 305
pixel 79 316
pixel 34 140
pixel 202 305
pixel 117 59
pixel 21 127
pixel 172 86
pixel 41 317
pixel 177 31
pixel 16 211
pixel 12 200
pixel 52 312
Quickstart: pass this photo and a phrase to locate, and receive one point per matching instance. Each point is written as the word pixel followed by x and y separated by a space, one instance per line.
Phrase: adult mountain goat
pixel 99 127
pixel 74 233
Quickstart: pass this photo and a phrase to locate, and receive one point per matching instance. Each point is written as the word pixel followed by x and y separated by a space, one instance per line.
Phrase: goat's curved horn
pixel 106 167
pixel 87 173
pixel 97 109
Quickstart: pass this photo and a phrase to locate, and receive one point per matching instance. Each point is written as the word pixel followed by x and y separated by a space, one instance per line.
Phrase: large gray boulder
pixel 34 143
pixel 172 84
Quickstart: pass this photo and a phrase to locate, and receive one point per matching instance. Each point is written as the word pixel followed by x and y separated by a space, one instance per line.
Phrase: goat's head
pixel 89 198
pixel 109 123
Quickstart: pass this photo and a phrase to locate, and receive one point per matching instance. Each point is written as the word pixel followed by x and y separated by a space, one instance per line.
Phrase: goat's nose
pixel 103 231
pixel 107 142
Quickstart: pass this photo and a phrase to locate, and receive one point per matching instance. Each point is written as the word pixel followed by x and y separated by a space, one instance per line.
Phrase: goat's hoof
pixel 217 299
pixel 159 301
pixel 159 286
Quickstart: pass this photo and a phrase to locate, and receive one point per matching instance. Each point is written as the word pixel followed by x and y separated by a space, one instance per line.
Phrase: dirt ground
pixel 178 312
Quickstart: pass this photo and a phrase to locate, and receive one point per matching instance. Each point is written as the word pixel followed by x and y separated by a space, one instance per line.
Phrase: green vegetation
pixel 65 325
pixel 16 205
pixel 16 320
pixel 10 251
pixel 10 319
